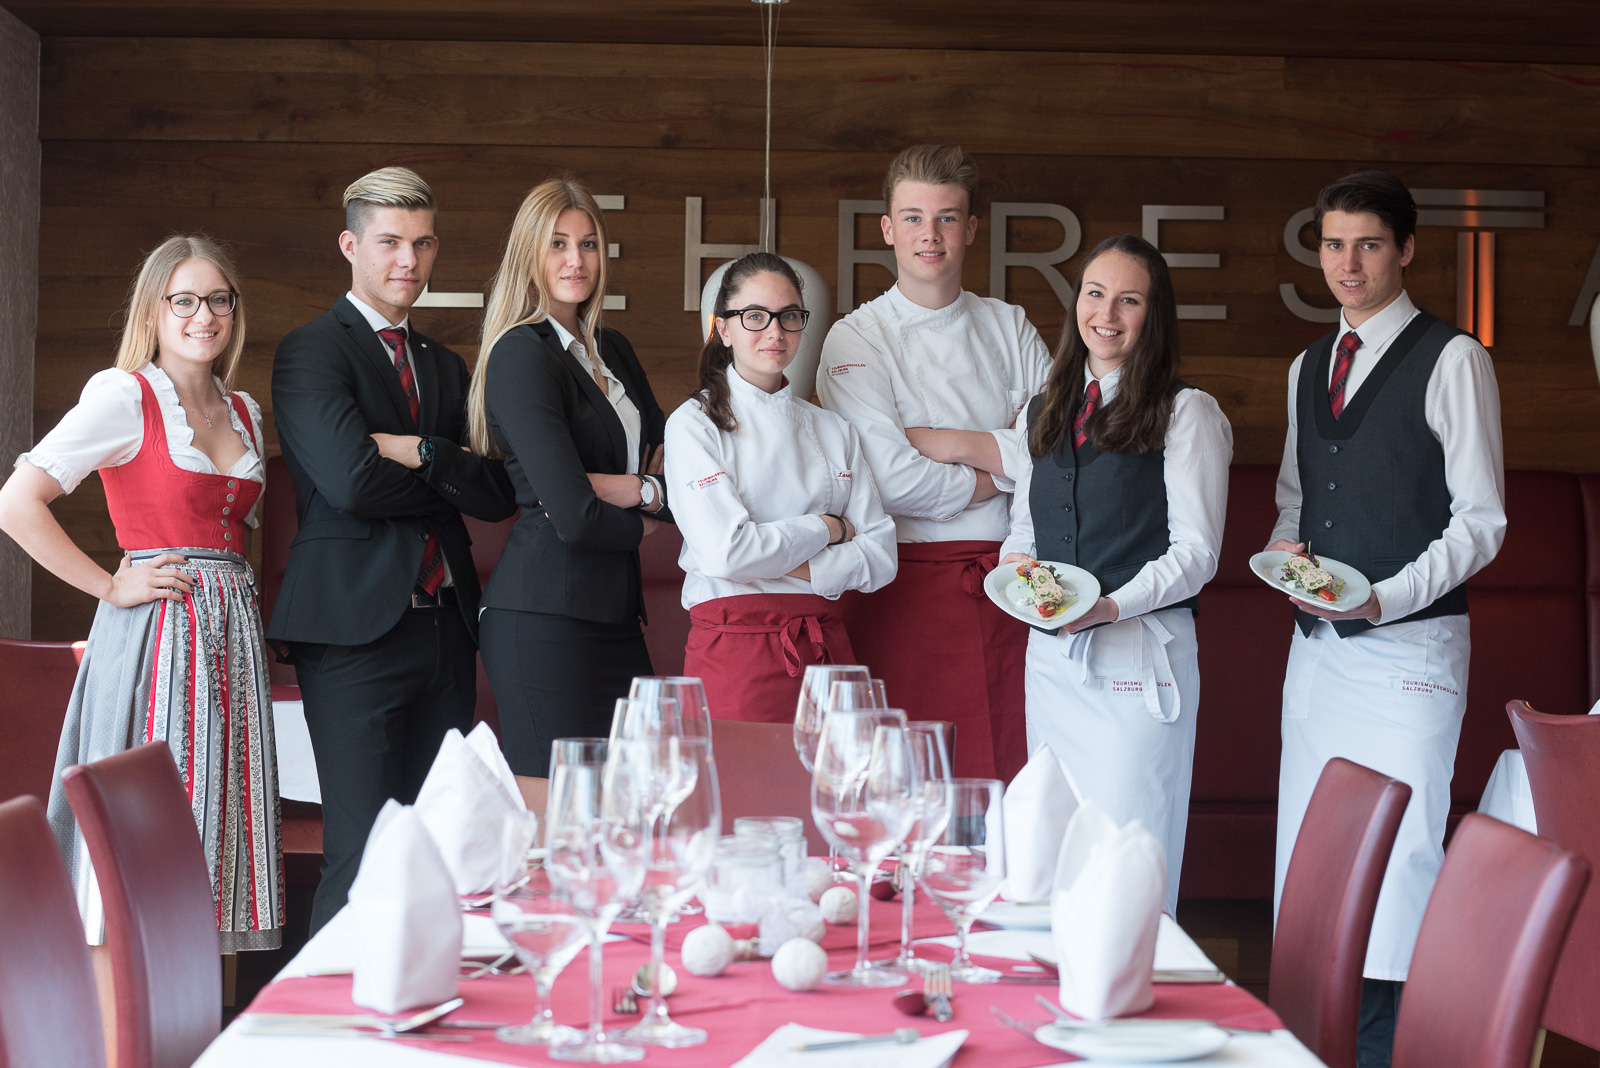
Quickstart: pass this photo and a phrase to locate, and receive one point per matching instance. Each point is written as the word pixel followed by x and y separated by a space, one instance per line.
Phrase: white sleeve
pixel 1199 447
pixel 1019 465
pixel 1036 365
pixel 724 542
pixel 1462 408
pixel 869 560
pixel 104 429
pixel 1288 492
pixel 258 445
pixel 853 383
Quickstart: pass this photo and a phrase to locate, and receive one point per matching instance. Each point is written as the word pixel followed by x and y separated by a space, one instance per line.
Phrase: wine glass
pixel 851 693
pixel 814 688
pixel 682 845
pixel 863 795
pixel 645 717
pixel 542 929
pixel 966 865
pixel 694 714
pixel 880 696
pixel 597 840
pixel 926 739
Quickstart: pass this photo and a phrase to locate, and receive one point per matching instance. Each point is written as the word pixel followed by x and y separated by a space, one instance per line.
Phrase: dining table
pixel 739 1008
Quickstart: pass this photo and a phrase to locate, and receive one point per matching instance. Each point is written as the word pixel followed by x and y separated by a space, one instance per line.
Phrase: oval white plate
pixel 1006 589
pixel 1269 565
pixel 1018 915
pixel 1135 1042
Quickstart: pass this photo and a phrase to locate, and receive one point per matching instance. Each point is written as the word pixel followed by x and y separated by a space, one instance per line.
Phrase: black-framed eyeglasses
pixel 790 320
pixel 184 305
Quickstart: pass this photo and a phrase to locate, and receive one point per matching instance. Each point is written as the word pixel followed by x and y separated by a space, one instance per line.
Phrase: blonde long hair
pixel 517 294
pixel 138 344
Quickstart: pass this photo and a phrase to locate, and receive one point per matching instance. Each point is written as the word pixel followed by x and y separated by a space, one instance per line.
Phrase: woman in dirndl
pixel 176 650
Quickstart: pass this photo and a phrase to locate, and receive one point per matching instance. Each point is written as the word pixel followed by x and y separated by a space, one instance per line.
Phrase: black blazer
pixel 364 519
pixel 570 553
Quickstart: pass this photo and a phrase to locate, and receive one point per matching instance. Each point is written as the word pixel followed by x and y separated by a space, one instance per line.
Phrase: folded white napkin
pixel 464 802
pixel 408 947
pixel 777 1050
pixel 1105 914
pixel 1038 805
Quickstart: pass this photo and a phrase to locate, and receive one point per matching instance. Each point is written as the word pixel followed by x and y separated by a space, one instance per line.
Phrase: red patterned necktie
pixel 1341 371
pixel 1091 401
pixel 430 576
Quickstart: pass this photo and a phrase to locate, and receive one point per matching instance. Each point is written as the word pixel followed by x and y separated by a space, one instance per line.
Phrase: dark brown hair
pixel 1378 192
pixel 1136 419
pixel 716 357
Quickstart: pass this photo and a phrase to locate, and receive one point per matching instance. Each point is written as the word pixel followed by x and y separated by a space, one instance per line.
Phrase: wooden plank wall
pixel 254 140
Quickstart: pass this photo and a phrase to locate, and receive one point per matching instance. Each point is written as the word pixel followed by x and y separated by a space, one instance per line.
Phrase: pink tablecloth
pixel 745 1004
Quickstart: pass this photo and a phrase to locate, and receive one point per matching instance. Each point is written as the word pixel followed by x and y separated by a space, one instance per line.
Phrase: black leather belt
pixel 445 598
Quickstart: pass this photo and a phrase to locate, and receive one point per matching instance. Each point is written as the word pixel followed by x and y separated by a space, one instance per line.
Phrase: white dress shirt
pixel 971 365
pixel 1462 408
pixel 106 429
pixel 1198 449
pixel 749 503
pixel 626 410
pixel 376 320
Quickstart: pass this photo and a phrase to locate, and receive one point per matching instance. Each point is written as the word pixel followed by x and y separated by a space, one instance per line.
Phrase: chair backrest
pixel 1562 754
pixel 161 921
pixel 760 775
pixel 49 1014
pixel 33 703
pixel 1329 895
pixel 1487 948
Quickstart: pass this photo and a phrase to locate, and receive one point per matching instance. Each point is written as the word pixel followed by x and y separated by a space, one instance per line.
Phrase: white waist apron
pixel 1391 699
pixel 1116 704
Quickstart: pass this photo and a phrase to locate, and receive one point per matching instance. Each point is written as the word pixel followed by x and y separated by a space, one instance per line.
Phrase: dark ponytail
pixel 715 357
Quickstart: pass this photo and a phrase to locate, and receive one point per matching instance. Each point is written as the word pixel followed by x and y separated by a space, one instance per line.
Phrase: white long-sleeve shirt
pixel 749 503
pixel 1462 408
pixel 1198 449
pixel 971 365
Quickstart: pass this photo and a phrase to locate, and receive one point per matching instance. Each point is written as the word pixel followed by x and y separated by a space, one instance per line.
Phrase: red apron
pixel 751 650
pixel 944 651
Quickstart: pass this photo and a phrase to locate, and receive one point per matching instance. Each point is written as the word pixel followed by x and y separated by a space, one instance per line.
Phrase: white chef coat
pixel 971 365
pixel 1117 703
pixel 616 393
pixel 749 502
pixel 1393 698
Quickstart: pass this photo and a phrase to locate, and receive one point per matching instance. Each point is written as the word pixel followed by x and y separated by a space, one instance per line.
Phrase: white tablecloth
pixel 1508 796
pixel 297 768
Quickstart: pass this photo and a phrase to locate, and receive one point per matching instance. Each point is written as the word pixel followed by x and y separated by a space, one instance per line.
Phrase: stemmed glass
pixel 694 715
pixel 682 845
pixel 541 928
pixel 863 798
pixel 597 838
pixel 966 865
pixel 926 739
pixel 815 686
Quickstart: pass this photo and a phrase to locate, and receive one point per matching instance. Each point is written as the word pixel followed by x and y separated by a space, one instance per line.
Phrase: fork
pixel 623 1001
pixel 936 989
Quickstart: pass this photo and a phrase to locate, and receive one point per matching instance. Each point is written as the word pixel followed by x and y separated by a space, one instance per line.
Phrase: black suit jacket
pixel 364 519
pixel 570 553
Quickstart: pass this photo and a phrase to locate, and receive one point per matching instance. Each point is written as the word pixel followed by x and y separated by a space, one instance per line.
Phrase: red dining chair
pixel 1562 754
pixel 161 921
pixel 49 1015
pixel 1488 945
pixel 1329 895
pixel 760 775
pixel 33 702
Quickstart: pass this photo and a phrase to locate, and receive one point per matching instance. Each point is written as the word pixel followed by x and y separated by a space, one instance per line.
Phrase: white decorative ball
pixel 819 877
pixel 838 905
pixel 799 964
pixel 707 951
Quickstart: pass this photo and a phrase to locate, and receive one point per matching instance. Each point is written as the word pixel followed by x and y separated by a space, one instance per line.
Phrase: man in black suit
pixel 379 604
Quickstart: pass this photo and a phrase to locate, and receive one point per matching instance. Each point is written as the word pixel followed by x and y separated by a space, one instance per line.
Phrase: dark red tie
pixel 1341 371
pixel 1091 401
pixel 430 576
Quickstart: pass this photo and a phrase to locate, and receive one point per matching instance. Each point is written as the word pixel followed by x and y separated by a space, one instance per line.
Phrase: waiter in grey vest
pixel 1393 465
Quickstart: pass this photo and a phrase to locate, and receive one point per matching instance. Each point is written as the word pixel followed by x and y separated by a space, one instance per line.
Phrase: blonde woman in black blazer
pixel 567 405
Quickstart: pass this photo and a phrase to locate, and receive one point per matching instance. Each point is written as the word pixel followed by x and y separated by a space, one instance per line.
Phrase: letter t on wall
pixel 1153 214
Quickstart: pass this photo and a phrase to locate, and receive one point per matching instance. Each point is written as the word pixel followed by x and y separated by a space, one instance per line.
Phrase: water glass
pixel 814 688
pixel 966 865
pixel 543 929
pixel 926 738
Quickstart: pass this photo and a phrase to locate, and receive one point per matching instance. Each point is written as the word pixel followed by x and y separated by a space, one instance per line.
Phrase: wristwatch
pixel 647 492
pixel 425 451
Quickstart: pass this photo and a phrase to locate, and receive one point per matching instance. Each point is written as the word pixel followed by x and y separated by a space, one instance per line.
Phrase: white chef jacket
pixel 749 503
pixel 1198 449
pixel 971 365
pixel 1462 408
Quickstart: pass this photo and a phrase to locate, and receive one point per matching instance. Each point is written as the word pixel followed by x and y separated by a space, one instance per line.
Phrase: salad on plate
pixel 1044 589
pixel 1305 573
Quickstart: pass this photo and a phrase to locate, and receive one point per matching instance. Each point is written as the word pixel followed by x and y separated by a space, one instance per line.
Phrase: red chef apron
pixel 751 650
pixel 945 651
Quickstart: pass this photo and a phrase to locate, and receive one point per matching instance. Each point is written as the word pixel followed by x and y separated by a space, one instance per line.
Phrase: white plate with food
pixel 1136 1041
pixel 1045 593
pixel 1313 579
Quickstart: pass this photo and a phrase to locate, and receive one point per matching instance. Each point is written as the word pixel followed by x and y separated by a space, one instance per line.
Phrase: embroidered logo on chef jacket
pixel 1420 687
pixel 842 369
pixel 709 480
pixel 843 476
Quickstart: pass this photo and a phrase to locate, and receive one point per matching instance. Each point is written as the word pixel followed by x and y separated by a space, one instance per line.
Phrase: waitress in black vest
pixel 1123 471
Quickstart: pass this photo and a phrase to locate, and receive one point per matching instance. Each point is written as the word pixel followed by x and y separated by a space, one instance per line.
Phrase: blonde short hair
pixel 386 187
pixel 138 344
pixel 933 165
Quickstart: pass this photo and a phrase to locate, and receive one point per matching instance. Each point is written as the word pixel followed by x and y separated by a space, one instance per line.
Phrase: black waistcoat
pixel 1372 486
pixel 1105 512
